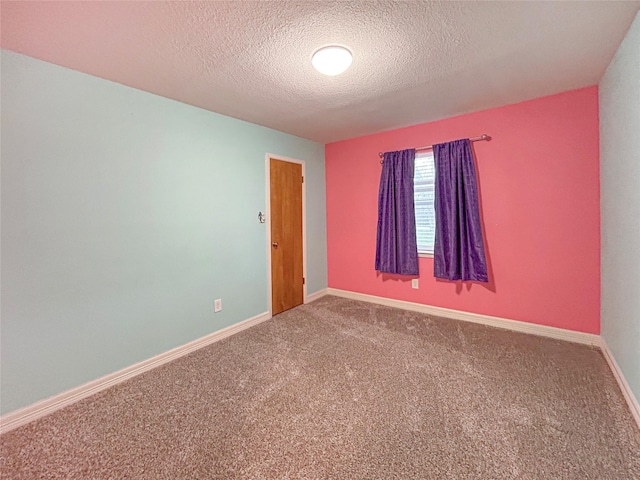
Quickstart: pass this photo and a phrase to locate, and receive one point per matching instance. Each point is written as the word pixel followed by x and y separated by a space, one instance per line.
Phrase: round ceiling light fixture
pixel 332 60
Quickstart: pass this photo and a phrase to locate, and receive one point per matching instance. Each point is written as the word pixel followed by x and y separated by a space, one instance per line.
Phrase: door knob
pixel 274 244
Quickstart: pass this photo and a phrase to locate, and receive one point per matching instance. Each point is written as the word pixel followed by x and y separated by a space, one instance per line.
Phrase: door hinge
pixel 303 280
pixel 303 179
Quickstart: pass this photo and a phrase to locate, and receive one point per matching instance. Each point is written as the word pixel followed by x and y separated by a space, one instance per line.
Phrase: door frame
pixel 268 158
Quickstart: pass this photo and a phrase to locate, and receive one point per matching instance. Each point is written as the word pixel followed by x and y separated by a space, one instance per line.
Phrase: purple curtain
pixel 459 248
pixel 396 246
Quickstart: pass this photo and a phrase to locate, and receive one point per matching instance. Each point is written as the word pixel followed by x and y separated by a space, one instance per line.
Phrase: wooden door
pixel 287 290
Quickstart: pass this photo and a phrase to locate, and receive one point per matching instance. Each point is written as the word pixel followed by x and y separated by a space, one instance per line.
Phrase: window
pixel 423 198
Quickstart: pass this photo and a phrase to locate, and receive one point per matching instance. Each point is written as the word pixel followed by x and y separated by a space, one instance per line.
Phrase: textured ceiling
pixel 413 61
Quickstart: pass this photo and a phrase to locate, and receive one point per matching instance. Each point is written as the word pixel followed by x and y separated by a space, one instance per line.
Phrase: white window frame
pixel 422 188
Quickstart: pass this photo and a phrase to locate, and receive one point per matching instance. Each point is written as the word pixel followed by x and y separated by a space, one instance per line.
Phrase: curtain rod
pixel 482 137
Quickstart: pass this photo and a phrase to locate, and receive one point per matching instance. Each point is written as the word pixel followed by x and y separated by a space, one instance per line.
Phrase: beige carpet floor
pixel 340 389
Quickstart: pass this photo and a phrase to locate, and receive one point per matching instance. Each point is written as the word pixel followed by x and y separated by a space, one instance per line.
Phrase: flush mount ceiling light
pixel 332 60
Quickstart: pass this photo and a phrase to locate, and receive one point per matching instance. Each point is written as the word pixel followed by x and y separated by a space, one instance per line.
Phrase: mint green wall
pixel 124 215
pixel 619 93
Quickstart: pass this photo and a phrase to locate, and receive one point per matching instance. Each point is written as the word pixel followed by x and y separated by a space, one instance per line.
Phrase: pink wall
pixel 540 197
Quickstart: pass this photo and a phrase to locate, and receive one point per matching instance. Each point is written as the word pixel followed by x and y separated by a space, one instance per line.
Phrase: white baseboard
pixel 316 295
pixel 515 325
pixel 49 405
pixel 631 399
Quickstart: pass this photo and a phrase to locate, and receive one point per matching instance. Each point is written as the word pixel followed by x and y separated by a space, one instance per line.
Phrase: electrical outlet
pixel 217 305
pixel 414 283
